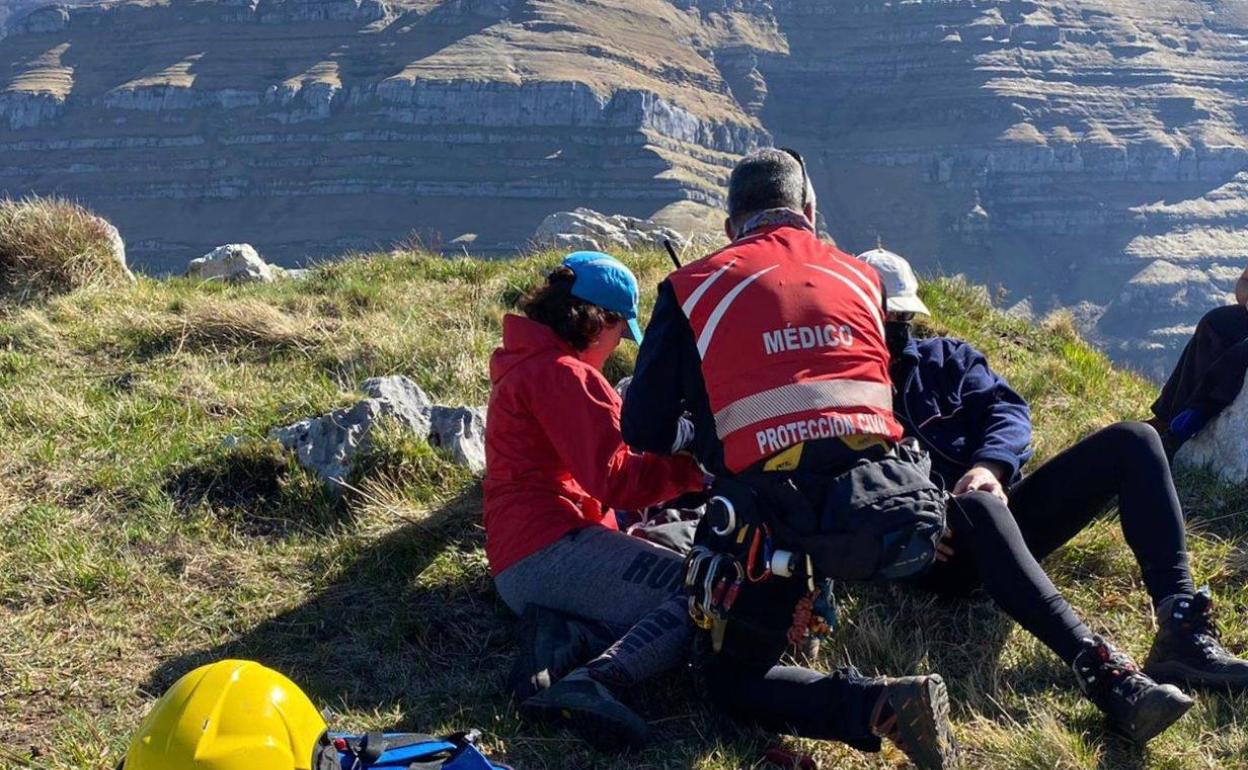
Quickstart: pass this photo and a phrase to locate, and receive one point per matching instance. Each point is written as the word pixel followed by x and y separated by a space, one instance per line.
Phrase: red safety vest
pixel 791 335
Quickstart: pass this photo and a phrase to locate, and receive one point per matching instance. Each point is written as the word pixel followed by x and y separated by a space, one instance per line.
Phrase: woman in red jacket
pixel 556 466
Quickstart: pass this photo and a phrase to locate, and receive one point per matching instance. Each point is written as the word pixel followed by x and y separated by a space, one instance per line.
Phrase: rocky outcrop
pixel 318 126
pixel 29 17
pixel 1222 447
pixel 587 230
pixel 1156 312
pixel 233 263
pixel 328 445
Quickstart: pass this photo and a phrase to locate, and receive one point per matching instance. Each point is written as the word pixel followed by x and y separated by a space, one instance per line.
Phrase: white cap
pixel 900 283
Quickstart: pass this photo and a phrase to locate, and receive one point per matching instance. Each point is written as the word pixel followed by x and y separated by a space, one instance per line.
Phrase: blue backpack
pixel 411 751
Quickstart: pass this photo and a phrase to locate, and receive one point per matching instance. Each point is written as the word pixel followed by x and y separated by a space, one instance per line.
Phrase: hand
pixel 981 479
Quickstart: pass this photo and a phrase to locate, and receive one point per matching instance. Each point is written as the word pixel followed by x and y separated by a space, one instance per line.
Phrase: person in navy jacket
pixel 978 431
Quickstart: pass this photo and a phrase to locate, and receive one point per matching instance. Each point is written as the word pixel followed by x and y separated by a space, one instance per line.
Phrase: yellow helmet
pixel 232 715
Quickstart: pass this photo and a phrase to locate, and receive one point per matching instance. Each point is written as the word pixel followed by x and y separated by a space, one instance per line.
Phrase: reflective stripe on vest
pixel 875 308
pixel 800 397
pixel 717 315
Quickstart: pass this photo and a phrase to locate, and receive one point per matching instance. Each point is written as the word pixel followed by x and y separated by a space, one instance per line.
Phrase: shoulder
pixel 568 372
pixel 949 353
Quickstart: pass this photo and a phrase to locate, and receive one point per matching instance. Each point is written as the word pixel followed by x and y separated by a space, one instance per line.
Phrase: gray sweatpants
pixel 606 576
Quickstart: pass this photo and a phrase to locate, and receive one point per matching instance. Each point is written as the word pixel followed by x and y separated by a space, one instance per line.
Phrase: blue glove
pixel 1188 423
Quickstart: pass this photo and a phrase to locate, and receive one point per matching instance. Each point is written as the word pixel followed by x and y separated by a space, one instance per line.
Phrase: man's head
pixel 765 180
pixel 901 287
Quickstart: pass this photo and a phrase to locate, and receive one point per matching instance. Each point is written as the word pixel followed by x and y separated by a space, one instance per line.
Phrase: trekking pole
pixel 671 252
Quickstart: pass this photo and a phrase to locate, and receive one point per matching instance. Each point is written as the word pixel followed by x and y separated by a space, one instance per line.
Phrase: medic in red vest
pixel 775 351
pixel 786 333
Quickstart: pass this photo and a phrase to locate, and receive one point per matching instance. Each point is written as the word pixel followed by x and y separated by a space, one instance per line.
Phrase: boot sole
pixel 606 733
pixel 935 702
pixel 1184 675
pixel 1150 723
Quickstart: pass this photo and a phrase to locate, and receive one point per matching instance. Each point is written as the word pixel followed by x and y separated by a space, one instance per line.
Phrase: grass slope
pixel 146 527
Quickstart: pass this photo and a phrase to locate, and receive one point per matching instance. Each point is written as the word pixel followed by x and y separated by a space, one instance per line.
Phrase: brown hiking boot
pixel 913 713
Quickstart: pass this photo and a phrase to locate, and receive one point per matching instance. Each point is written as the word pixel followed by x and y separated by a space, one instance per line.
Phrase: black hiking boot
pixel 913 713
pixel 551 645
pixel 1135 705
pixel 588 709
pixel 1187 650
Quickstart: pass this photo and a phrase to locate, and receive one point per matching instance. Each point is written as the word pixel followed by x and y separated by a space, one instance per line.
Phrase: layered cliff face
pixel 312 126
pixel 1057 148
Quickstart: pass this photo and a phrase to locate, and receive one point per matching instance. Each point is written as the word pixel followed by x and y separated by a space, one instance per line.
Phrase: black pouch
pixel 881 519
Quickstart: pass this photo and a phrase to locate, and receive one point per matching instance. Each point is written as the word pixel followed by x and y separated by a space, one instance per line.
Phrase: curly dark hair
pixel 576 321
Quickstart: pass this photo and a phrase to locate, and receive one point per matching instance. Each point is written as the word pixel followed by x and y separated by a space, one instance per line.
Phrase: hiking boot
pixel 913 713
pixel 1135 705
pixel 551 645
pixel 588 708
pixel 1187 649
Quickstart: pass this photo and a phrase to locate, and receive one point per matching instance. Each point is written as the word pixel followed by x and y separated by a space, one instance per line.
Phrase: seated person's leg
pixel 597 574
pixel 743 680
pixel 1217 331
pixel 1134 703
pixel 1126 462
pixel 912 712
pixel 601 575
pixel 585 699
pixel 1219 388
pixel 985 534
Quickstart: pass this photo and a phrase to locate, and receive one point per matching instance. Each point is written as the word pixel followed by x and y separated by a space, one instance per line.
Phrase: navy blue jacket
pixel 667 382
pixel 962 412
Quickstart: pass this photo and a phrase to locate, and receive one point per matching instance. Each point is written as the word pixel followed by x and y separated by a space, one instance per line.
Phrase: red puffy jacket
pixel 555 461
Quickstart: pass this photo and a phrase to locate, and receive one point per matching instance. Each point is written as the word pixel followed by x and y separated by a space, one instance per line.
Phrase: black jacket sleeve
pixel 655 399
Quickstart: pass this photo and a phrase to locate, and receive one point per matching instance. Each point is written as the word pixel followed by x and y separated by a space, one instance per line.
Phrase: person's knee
pixel 1137 443
pixel 970 510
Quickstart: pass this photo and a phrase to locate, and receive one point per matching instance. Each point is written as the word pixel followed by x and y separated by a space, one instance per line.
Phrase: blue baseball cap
pixel 605 281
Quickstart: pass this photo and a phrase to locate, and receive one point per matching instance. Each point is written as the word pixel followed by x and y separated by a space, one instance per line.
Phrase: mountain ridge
pixel 1057 148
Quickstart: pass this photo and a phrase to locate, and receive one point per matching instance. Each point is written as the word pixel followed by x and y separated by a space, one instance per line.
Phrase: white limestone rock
pixel 460 432
pixel 234 263
pixel 587 230
pixel 116 247
pixel 1222 446
pixel 404 397
pixel 328 445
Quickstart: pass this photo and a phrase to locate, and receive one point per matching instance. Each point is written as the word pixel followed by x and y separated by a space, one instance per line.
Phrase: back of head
pixel 232 715
pixel 765 180
pixel 576 321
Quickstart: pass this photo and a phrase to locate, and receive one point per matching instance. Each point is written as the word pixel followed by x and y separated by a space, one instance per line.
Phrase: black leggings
pixel 1000 547
pixel 744 681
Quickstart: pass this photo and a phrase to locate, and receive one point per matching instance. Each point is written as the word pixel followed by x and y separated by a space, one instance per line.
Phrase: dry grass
pixel 52 246
pixel 136 542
